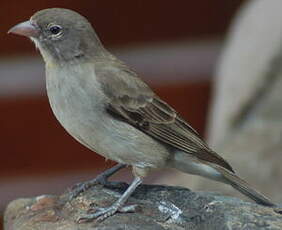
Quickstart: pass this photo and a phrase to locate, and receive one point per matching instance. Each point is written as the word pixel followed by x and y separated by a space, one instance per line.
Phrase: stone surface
pixel 160 208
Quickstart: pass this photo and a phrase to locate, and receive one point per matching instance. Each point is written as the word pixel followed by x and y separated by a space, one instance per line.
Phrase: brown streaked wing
pixel 135 103
pixel 161 122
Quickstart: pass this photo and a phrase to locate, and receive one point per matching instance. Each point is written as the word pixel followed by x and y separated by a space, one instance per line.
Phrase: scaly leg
pixel 117 206
pixel 100 179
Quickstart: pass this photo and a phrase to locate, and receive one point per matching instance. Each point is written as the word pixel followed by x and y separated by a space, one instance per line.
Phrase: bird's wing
pixel 135 103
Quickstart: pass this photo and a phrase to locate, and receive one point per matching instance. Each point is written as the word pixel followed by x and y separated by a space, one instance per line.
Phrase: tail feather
pixel 243 187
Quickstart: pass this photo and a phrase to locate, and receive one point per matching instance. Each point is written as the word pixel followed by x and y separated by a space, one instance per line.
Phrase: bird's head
pixel 61 35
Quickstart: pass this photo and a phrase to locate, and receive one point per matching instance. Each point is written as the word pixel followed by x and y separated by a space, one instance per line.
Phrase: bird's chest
pixel 76 100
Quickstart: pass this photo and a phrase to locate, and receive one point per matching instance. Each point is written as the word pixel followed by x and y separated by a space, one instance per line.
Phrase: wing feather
pixel 131 100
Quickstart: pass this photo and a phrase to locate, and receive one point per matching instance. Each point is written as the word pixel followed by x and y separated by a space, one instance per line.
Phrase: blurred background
pixel 174 46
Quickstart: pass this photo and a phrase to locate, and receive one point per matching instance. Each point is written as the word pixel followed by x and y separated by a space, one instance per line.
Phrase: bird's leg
pixel 117 206
pixel 100 179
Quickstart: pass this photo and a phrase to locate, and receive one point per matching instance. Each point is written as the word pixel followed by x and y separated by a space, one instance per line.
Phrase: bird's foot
pixel 118 206
pixel 102 179
pixel 101 214
pixel 79 188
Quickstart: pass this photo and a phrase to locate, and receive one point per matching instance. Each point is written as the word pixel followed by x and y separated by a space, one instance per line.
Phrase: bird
pixel 105 106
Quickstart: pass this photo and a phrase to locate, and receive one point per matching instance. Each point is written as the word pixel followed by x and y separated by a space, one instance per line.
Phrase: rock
pixel 160 208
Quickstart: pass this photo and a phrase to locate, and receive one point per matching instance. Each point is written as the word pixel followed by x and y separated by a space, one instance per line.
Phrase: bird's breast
pixel 76 99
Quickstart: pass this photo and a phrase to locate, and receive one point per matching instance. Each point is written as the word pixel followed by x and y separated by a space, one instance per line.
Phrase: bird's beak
pixel 27 29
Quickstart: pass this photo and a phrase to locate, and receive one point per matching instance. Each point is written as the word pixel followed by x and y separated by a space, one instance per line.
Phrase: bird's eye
pixel 55 29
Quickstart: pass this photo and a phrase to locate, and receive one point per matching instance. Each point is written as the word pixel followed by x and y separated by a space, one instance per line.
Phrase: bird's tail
pixel 243 187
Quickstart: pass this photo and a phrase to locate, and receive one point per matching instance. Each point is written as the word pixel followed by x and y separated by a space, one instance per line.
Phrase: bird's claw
pixel 102 179
pixel 79 188
pixel 101 214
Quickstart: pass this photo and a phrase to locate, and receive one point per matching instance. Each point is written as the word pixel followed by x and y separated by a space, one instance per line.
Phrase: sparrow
pixel 105 106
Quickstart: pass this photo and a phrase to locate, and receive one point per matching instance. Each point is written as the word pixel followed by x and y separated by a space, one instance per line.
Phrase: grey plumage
pixel 106 107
